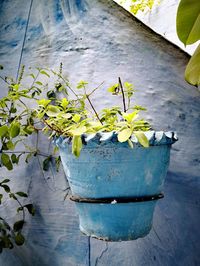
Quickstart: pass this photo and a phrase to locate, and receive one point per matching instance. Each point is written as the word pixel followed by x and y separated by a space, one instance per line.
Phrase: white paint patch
pixel 148 177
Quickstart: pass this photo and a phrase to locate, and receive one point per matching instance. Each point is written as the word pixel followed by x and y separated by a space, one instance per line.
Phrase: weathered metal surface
pixel 97 40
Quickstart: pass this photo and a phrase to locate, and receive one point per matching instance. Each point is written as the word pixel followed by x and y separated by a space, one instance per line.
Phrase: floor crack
pixel 101 255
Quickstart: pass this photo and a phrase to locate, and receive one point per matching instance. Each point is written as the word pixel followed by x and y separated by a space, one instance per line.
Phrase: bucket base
pixel 115 239
pixel 116 222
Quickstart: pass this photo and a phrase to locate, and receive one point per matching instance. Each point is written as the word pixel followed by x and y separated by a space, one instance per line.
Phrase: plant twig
pixel 96 88
pixel 87 96
pixel 123 96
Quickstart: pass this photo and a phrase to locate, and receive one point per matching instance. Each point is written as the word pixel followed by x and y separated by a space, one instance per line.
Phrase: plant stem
pixel 87 96
pixel 123 96
pixel 4 80
pixel 21 207
pixel 51 127
pixel 96 88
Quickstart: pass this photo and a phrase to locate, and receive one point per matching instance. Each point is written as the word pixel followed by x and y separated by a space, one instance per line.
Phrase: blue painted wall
pixel 97 40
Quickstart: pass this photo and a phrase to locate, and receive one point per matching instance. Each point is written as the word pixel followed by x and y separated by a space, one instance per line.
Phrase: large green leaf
pixel 188 21
pixel 5 159
pixel 192 72
pixel 124 135
pixel 14 129
pixel 76 145
pixel 3 130
pixel 142 138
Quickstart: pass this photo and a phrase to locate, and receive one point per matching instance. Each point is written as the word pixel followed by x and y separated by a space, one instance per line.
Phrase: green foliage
pixel 17 122
pixel 12 234
pixel 188 21
pixel 66 111
pixel 188 25
pixel 192 72
pixel 71 118
pixel 139 5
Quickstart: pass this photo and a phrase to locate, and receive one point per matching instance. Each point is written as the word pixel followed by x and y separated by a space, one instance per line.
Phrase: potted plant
pixel 115 163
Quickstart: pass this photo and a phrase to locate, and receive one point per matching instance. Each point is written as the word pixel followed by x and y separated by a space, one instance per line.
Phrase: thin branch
pixel 96 88
pixel 123 96
pixel 87 96
pixel 5 80
pixel 52 128
pixel 28 152
pixel 21 207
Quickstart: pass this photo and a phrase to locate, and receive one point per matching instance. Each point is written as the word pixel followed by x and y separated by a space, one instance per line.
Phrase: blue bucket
pixel 115 187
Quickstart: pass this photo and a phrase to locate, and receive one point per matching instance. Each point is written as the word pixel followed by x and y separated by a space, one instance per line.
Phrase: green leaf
pixel 130 143
pixel 12 196
pixel 78 131
pixel 3 130
pixel 53 111
pixel 188 21
pixel 6 188
pixel 32 75
pixel 124 135
pixel 192 72
pixel 76 145
pixel 76 118
pixel 51 94
pixel 43 102
pixel 5 181
pixel 45 73
pixel 130 117
pixel 142 138
pixel 14 129
pixel 16 87
pixel 14 158
pixel 21 194
pixel 10 145
pixel 114 89
pixel 19 239
pixel 39 83
pixel 5 159
pixel 81 84
pixel 64 103
pixel 66 115
pixel 18 225
pixel 28 157
pixel 46 163
pixel 30 208
pixel 1 196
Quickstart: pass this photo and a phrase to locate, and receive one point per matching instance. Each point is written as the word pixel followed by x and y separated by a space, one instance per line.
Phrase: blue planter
pixel 116 187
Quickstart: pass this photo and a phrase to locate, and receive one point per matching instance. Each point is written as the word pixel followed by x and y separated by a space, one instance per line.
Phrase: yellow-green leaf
pixel 43 102
pixel 130 117
pixel 192 72
pixel 14 129
pixel 76 145
pixel 45 73
pixel 66 115
pixel 142 138
pixel 5 159
pixel 3 130
pixel 78 131
pixel 76 118
pixel 188 21
pixel 124 135
pixel 53 111
pixel 64 103
pixel 130 143
pixel 81 84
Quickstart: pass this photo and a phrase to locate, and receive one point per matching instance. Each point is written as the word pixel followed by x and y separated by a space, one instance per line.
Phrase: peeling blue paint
pixel 58 12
